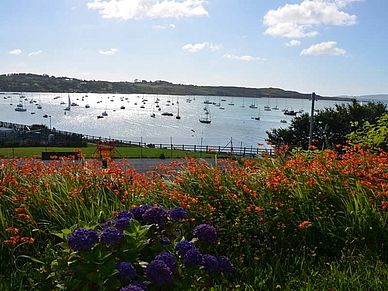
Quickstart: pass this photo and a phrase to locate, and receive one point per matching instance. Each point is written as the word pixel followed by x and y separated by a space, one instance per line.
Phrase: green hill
pixel 43 83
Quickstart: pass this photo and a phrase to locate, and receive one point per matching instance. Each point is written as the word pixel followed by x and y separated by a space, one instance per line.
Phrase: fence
pixel 25 134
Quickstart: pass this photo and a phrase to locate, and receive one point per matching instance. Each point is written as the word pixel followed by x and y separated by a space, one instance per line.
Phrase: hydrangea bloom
pixel 123 222
pixel 210 262
pixel 82 239
pixel 183 246
pixel 140 284
pixel 158 273
pixel 124 214
pixel 169 259
pixel 111 235
pixel 205 233
pixel 225 265
pixel 131 287
pixel 177 213
pixel 106 224
pixel 138 212
pixel 157 215
pixel 126 270
pixel 193 257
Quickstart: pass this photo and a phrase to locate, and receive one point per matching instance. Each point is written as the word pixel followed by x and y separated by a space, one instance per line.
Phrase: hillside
pixel 44 83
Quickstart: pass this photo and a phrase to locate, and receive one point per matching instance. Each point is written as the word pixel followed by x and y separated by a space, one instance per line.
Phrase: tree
pixel 331 125
pixel 374 136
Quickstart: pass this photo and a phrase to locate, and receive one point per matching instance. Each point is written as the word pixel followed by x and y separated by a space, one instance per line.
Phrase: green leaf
pixel 31 258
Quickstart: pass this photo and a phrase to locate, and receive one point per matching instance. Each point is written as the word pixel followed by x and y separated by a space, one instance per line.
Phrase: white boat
pixel 68 103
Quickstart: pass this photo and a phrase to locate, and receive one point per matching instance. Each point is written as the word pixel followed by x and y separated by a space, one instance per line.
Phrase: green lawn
pixel 121 152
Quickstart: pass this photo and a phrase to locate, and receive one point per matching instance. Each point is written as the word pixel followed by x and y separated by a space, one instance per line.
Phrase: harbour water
pixel 233 119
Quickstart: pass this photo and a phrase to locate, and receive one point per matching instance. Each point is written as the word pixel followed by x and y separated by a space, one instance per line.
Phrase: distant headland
pixel 24 82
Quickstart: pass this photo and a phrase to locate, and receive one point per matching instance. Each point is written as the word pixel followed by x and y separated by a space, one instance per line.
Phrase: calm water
pixel 234 123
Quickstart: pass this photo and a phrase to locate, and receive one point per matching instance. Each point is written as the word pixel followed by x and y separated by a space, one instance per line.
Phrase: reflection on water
pixel 129 116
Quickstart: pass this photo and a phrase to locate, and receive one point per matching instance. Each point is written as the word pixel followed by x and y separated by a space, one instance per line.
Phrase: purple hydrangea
pixel 138 212
pixel 184 246
pixel 157 215
pixel 126 270
pixel 82 239
pixel 140 284
pixel 106 224
pixel 165 241
pixel 124 214
pixel 111 235
pixel 205 232
pixel 131 287
pixel 169 259
pixel 210 263
pixel 177 213
pixel 158 273
pixel 193 257
pixel 225 265
pixel 122 222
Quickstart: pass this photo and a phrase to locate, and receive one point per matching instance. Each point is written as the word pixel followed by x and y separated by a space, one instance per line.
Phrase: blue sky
pixel 331 47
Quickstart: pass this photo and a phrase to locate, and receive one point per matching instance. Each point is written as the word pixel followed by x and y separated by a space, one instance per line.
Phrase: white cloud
pixel 15 52
pixel 324 48
pixel 215 47
pixel 242 58
pixel 109 52
pixel 35 53
pixel 193 48
pixel 302 20
pixel 137 9
pixel 164 26
pixel 293 42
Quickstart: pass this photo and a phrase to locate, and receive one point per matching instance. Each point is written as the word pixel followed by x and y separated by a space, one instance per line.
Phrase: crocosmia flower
pixel 82 239
pixel 205 233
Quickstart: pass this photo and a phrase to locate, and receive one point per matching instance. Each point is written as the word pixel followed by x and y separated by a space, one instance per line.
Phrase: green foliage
pixel 373 135
pixel 331 125
pixel 44 83
pixel 96 268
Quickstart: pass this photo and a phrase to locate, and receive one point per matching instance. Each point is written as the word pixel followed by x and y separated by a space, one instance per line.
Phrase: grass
pixel 121 152
pixel 307 221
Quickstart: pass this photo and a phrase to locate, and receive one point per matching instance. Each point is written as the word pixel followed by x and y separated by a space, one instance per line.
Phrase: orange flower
pixel 305 224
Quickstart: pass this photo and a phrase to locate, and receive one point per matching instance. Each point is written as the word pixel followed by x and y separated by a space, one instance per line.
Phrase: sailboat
pixel 68 103
pixel 178 116
pixel 267 107
pixel 258 116
pixel 206 118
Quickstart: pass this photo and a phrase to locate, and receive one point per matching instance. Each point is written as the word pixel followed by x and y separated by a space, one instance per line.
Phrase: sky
pixel 331 47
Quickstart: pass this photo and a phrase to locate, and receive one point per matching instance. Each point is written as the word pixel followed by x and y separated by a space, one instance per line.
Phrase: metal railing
pixel 55 137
